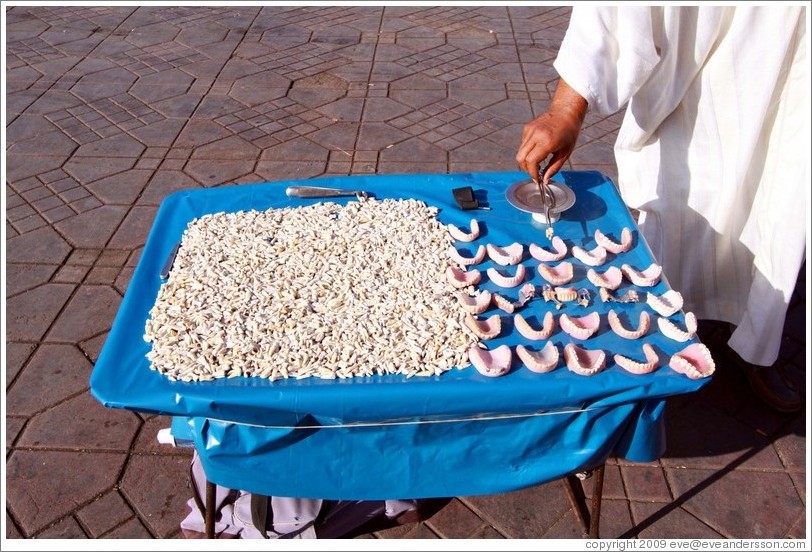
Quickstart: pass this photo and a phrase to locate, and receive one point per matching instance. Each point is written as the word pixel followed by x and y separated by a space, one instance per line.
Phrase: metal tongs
pixel 317 191
pixel 547 199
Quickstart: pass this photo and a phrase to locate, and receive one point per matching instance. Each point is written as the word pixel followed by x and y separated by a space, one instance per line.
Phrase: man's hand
pixel 554 131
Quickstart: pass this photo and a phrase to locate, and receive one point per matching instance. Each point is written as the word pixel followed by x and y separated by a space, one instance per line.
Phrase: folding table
pixel 384 437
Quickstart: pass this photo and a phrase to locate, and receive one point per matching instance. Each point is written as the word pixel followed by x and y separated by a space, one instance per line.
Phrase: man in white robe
pixel 713 151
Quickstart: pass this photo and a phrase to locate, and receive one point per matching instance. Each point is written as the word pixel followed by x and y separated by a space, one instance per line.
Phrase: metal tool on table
pixel 544 199
pixel 547 199
pixel 318 191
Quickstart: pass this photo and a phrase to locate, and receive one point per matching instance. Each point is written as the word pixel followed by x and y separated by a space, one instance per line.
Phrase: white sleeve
pixel 608 53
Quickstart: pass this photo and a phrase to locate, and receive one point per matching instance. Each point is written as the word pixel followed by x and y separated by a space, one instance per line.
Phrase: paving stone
pixel 766 510
pixel 798 530
pixel 668 521
pixel 71 274
pixel 54 373
pixel 43 486
pixel 132 529
pixel 645 483
pixel 122 188
pixel 16 355
pixel 19 167
pixel 52 143
pixel 455 521
pixel 68 528
pixel 13 427
pixel 134 229
pixel 26 126
pixel 11 529
pixel 343 110
pixel 294 170
pixel 150 484
pixel 92 427
pixel 164 183
pixel 231 148
pixel 612 484
pixel 692 442
pixel 799 478
pixel 147 441
pixel 38 246
pixel 29 314
pixel 89 312
pixel 527 513
pixel 92 228
pixel 483 150
pixel 22 277
pixel 89 169
pixel 104 513
pixel 298 149
pixel 92 347
pixel 615 521
pixel 210 172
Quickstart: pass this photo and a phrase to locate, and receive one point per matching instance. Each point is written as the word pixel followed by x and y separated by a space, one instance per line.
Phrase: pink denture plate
pixel 510 255
pixel 643 324
pixel 557 275
pixel 461 235
pixel 694 361
pixel 580 327
pixel 475 304
pixel 491 363
pixel 547 326
pixel 611 279
pixel 542 361
pixel 585 362
pixel 484 329
pixel 457 257
pixel 614 247
pixel 547 256
pixel 592 257
pixel 635 367
pixel 462 278
pixel 504 281
pixel 646 278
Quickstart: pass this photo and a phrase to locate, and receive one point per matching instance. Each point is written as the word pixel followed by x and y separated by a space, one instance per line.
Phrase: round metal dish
pixel 525 196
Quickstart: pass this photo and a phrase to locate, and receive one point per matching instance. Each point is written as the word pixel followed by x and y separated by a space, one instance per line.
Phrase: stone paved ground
pixel 109 109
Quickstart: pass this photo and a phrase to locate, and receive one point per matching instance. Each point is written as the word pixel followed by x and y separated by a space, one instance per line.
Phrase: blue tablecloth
pixel 385 436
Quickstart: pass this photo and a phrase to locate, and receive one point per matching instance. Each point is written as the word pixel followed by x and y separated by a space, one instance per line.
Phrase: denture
pixel 592 257
pixel 491 363
pixel 526 330
pixel 643 324
pixel 541 254
pixel 462 278
pixel 672 331
pixel 542 361
pixel 505 256
pixel 457 257
pixel 646 278
pixel 580 327
pixel 505 281
pixel 475 304
pixel 639 368
pixel 666 304
pixel 585 362
pixel 694 361
pixel 614 247
pixel 484 329
pixel 461 235
pixel 557 275
pixel 611 279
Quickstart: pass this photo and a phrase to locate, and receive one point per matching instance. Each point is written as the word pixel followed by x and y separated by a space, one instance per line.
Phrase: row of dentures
pixel 694 361
pixel 581 327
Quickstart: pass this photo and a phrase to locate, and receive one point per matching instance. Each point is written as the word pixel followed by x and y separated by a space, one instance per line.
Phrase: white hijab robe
pixel 713 149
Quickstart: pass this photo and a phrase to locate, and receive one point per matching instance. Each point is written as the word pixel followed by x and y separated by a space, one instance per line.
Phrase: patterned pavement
pixel 109 109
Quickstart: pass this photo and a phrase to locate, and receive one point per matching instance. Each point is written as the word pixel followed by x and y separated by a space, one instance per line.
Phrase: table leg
pixel 211 499
pixel 589 521
pixel 597 497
